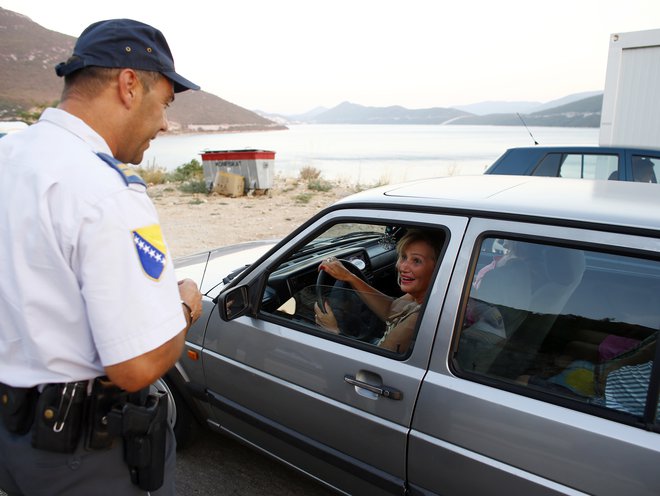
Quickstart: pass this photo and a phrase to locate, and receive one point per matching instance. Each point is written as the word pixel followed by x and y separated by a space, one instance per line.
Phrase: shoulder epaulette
pixel 128 175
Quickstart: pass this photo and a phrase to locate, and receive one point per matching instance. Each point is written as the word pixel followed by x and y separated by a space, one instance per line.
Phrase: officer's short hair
pixel 91 81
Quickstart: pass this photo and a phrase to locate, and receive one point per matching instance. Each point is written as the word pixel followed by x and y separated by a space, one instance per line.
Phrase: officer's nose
pixel 164 125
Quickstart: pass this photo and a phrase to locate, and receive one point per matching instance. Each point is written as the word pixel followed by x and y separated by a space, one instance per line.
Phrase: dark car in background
pixel 580 162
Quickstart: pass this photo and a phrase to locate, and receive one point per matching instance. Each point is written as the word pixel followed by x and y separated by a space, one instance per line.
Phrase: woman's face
pixel 415 266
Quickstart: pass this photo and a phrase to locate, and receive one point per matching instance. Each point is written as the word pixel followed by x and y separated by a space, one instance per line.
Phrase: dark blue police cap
pixel 124 43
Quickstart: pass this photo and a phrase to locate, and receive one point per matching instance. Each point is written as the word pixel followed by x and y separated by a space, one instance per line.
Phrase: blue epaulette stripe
pixel 128 175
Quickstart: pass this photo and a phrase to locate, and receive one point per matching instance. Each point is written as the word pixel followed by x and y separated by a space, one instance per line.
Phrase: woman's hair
pixel 431 238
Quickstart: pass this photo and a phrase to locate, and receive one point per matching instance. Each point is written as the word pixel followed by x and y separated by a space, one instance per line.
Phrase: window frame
pixel 324 225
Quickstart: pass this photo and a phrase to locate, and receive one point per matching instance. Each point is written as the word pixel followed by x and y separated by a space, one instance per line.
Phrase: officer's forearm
pixel 139 372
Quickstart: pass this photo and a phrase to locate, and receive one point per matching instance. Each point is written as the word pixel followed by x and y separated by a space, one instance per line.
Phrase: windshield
pixel 344 233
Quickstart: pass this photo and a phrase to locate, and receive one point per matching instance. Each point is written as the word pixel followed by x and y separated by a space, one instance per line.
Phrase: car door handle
pixel 387 392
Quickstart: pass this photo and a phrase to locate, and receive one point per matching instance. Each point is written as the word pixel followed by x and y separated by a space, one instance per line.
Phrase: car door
pixel 548 385
pixel 332 406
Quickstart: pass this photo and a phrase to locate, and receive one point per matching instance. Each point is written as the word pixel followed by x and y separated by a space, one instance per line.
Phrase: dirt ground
pixel 193 223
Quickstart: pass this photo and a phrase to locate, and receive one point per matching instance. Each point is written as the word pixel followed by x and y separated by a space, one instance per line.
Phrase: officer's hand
pixel 190 294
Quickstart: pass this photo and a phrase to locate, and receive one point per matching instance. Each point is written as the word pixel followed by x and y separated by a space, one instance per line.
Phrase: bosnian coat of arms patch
pixel 151 250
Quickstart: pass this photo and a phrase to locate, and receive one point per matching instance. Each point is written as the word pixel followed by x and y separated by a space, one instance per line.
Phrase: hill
pixel 28 81
pixel 351 113
pixel 29 55
pixel 581 113
pixel 522 107
pixel 202 111
pixel 499 107
pixel 564 101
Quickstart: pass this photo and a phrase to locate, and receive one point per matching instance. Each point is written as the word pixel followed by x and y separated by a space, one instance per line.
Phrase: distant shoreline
pixel 223 131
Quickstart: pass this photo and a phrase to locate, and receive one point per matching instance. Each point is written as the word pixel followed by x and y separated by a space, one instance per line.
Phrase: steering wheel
pixel 324 280
pixel 354 317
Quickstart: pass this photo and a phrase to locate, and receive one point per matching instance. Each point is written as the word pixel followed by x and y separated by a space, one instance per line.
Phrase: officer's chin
pixel 136 159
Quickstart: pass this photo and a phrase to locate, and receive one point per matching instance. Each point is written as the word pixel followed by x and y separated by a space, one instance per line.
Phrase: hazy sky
pixel 290 56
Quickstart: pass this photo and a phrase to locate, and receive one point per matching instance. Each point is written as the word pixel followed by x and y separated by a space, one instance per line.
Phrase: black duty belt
pixel 61 413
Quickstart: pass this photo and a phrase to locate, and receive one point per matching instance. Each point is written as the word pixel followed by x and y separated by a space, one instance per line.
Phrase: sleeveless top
pixel 402 309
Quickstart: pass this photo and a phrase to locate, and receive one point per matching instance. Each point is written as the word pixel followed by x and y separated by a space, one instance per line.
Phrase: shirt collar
pixel 76 126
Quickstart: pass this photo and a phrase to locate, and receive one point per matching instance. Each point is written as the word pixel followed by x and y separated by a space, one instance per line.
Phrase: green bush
pixel 303 198
pixel 319 185
pixel 194 187
pixel 192 171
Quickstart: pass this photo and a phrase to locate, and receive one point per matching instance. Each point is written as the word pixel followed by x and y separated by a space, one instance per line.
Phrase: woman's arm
pixel 377 302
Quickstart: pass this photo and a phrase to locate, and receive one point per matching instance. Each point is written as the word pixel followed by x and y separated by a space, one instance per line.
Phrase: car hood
pixel 208 269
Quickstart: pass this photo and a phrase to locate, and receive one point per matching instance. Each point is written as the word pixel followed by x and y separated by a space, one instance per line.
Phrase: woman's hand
pixel 326 320
pixel 336 269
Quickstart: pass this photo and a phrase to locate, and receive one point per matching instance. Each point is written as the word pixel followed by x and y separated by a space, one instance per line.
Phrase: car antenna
pixel 530 133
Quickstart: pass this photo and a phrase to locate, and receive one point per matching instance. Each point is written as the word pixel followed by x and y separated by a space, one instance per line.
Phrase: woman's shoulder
pixel 402 303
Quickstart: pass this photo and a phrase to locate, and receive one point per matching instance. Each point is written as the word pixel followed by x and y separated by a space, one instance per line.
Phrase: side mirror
pixel 233 303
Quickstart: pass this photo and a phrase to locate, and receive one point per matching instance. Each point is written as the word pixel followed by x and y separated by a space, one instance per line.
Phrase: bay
pixel 370 154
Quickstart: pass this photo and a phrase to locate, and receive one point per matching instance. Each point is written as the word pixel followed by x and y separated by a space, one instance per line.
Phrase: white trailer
pixel 631 101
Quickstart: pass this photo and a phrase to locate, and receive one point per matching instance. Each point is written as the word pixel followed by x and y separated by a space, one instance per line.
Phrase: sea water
pixel 370 154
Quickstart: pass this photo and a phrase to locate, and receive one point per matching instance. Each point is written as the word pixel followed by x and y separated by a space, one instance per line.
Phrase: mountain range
pixel 28 83
pixel 578 110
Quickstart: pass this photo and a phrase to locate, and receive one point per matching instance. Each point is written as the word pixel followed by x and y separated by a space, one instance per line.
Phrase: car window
pixel 588 166
pixel 564 323
pixel 372 293
pixel 549 166
pixel 578 166
pixel 643 168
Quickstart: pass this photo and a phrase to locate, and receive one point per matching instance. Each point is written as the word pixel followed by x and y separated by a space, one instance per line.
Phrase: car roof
pixel 584 149
pixel 611 203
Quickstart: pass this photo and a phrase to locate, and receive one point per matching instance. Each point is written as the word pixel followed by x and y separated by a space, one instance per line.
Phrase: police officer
pixel 89 304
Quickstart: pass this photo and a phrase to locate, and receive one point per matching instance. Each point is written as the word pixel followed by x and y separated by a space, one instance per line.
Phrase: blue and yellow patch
pixel 128 175
pixel 151 250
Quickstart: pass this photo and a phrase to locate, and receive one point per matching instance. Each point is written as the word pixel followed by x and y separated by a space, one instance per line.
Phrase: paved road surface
pixel 216 464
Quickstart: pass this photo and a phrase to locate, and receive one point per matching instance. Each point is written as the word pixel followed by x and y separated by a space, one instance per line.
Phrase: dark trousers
pixel 31 472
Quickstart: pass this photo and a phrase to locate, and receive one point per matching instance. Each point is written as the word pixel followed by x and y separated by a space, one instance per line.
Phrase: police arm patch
pixel 151 250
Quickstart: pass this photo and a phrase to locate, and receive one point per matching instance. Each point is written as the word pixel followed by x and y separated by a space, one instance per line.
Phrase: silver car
pixel 533 367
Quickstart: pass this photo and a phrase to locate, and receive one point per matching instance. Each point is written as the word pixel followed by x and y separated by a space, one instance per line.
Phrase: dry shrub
pixel 309 173
pixel 152 174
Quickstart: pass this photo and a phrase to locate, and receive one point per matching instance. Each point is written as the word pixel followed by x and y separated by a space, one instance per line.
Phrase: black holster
pixel 144 429
pixel 17 407
pixel 104 397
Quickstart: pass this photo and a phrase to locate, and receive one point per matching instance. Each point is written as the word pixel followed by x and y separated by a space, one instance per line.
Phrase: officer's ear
pixel 129 87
